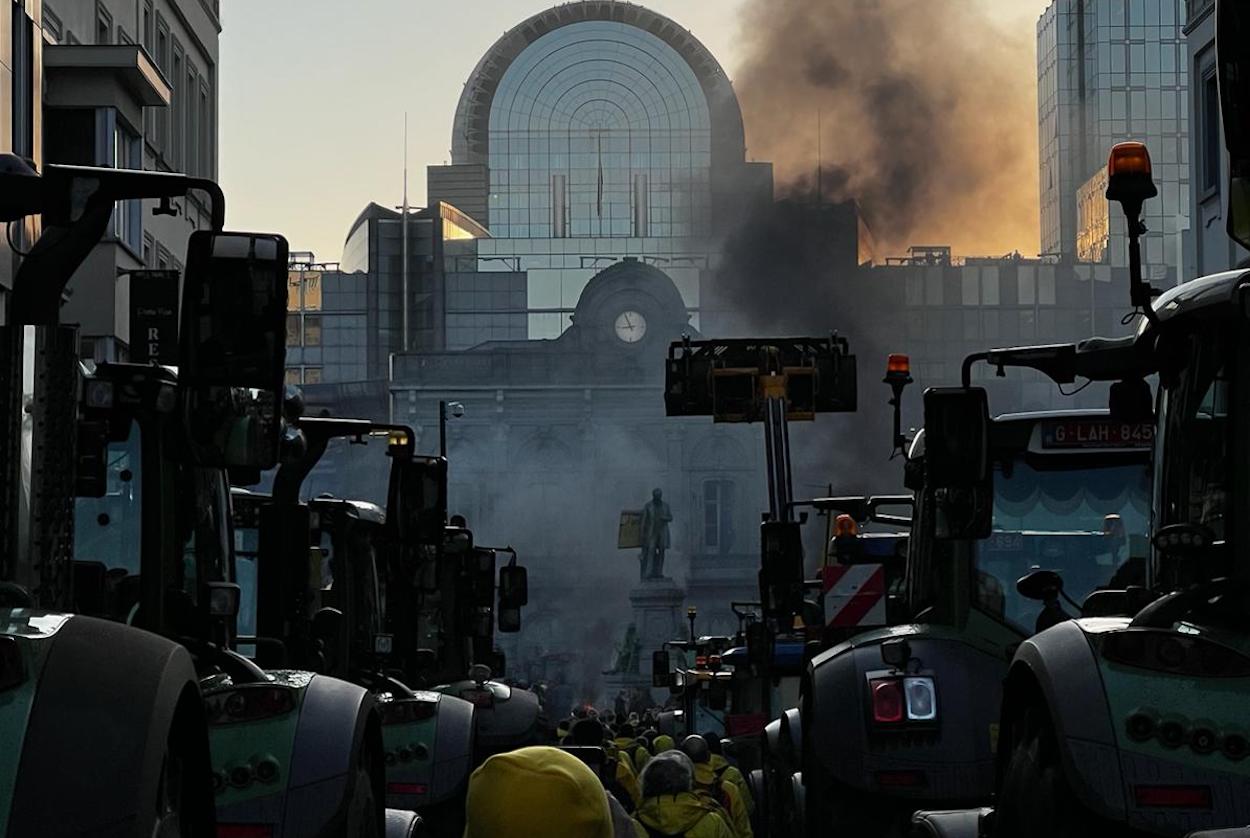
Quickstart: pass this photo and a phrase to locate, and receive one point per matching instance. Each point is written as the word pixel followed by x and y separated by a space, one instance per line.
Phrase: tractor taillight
pixel 1172 797
pixel 888 704
pixel 921 698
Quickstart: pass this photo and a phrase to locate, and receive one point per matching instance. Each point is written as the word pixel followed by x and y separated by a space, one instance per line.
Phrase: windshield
pixel 246 551
pixel 1089 524
pixel 1194 475
pixel 108 529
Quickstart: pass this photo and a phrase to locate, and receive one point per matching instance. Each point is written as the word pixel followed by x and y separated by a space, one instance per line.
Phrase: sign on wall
pixel 154 317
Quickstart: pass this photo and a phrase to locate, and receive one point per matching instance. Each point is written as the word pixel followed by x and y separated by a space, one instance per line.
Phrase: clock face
pixel 630 326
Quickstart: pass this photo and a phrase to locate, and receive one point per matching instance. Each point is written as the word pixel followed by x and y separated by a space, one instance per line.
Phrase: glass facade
pixel 1109 72
pixel 600 146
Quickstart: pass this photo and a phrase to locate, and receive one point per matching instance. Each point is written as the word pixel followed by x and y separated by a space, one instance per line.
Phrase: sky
pixel 313 95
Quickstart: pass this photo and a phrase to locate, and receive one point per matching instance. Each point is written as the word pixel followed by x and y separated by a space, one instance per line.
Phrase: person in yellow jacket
pixel 663 743
pixel 536 792
pixel 670 808
pixel 625 789
pixel 727 771
pixel 707 782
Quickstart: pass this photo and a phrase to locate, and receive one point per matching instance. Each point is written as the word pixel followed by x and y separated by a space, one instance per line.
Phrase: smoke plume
pixel 927 110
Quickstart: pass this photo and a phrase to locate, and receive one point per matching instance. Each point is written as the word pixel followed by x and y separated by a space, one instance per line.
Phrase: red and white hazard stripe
pixel 854 595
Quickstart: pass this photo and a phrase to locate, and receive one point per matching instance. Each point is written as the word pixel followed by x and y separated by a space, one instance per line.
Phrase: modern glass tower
pixel 1110 71
pixel 589 133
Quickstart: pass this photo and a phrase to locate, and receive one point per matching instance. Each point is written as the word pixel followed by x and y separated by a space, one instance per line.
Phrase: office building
pixel 131 85
pixel 1108 72
pixel 590 132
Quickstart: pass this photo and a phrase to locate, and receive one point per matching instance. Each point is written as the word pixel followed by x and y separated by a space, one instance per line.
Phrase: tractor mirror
pixel 417 498
pixel 232 347
pixel 223 599
pixel 509 619
pixel 661 669
pixel 957 461
pixel 513 586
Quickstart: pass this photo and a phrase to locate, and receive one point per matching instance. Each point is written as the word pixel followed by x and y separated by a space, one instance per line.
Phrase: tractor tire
pixel 1035 800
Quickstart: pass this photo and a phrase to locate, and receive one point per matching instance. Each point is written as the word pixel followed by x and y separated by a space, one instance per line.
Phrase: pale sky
pixel 313 94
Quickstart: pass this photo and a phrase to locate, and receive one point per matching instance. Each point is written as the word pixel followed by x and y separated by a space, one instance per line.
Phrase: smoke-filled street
pixel 603 419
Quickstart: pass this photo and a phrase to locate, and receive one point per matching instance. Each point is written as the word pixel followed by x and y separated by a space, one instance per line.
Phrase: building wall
pixel 181 37
pixel 21 119
pixel 1211 248
pixel 1108 72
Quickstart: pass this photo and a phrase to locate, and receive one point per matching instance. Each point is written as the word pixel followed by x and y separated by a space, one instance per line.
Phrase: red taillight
pixel 700 661
pixel 1173 797
pixel 244 830
pixel 900 779
pixel 888 705
pixel 406 788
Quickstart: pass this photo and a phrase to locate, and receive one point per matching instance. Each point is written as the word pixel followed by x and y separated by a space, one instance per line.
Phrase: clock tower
pixel 629 307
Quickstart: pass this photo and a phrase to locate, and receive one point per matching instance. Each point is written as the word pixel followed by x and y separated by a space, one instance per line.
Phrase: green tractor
pixel 1134 723
pixel 134 457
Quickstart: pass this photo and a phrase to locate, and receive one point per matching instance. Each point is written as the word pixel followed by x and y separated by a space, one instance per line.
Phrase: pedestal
pixel 657 616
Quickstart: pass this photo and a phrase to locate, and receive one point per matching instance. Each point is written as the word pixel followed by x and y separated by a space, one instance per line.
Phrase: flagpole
pixel 403 232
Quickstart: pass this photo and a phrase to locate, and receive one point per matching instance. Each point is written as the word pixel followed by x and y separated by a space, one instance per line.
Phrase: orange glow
pixel 1129 159
pixel 898 364
pixel 844 525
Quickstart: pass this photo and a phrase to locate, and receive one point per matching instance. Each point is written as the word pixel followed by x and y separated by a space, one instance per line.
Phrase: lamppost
pixel 457 410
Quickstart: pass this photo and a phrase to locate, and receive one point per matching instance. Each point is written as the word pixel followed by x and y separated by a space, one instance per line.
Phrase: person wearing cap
pixel 727 771
pixel 622 782
pixel 707 782
pixel 536 792
pixel 671 809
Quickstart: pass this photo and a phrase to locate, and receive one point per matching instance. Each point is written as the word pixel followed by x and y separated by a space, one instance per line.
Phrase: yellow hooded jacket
pixel 535 793
pixel 727 795
pixel 729 773
pixel 663 743
pixel 684 815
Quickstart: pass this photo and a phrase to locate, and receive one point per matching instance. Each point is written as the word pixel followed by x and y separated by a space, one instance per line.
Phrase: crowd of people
pixel 611 777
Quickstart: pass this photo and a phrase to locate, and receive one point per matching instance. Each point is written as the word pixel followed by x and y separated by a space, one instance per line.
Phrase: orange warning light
pixel 845 525
pixel 1129 159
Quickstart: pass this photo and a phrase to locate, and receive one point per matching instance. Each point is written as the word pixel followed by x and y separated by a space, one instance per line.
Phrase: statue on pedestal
pixel 656 516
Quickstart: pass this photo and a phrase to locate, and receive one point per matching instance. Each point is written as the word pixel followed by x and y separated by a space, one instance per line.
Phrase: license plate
pixel 1097 434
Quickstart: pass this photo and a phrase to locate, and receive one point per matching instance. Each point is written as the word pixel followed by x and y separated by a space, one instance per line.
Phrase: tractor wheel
pixel 1035 800
pixel 363 813
pixel 183 807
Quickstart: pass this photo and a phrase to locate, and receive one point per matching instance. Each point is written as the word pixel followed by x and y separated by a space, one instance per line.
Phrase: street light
pixel 457 410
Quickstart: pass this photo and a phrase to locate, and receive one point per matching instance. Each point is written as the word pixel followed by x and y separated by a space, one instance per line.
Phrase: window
pixel 178 105
pixel 23 139
pixel 293 376
pixel 187 109
pixel 147 34
pixel 149 247
pixel 718 505
pixel 127 215
pixel 312 330
pixel 1211 154
pixel 312 375
pixel 292 330
pixel 103 25
pixel 159 117
pixel 206 136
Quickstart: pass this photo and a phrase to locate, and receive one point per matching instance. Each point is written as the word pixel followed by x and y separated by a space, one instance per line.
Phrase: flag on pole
pixel 599 195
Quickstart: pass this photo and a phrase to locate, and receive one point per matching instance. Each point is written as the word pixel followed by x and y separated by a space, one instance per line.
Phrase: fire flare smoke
pixel 927 111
